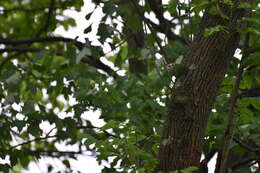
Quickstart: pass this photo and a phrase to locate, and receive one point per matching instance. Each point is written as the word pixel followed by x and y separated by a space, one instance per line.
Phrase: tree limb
pixel 209 156
pixel 205 161
pixel 33 140
pixel 253 92
pixel 93 127
pixel 53 153
pixel 230 129
pixel 40 40
pixel 156 7
pixel 97 63
pixel 244 145
pixel 20 49
pixel 169 34
pixel 28 10
pixel 254 49
pixel 48 19
pixel 242 162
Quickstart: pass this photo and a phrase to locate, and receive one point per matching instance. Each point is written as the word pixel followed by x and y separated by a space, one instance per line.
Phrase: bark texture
pixel 192 101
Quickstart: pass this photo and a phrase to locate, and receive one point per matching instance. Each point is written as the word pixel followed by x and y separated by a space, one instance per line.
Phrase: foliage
pixel 40 73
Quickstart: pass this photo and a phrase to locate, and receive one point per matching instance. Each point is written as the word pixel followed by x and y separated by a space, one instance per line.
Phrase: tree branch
pixel 165 24
pixel 97 63
pixel 209 156
pixel 230 129
pixel 253 49
pixel 48 19
pixel 40 40
pixel 253 92
pixel 33 140
pixel 93 127
pixel 244 145
pixel 204 163
pixel 20 49
pixel 22 9
pixel 242 162
pixel 28 10
pixel 156 7
pixel 169 34
pixel 54 153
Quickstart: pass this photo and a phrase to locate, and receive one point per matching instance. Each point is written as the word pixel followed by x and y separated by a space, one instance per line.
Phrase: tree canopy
pixel 185 83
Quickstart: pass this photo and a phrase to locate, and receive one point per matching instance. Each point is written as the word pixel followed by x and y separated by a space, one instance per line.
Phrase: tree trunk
pixel 192 100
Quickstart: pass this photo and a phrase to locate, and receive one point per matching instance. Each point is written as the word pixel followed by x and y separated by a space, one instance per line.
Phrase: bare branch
pixel 53 153
pixel 40 40
pixel 33 140
pixel 20 49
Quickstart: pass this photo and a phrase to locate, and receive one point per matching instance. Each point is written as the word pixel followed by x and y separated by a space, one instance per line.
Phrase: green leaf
pixel 256 103
pixel 103 32
pixel 71 53
pixel 13 79
pixel 89 140
pixel 244 5
pixel 84 52
pixel 28 106
pixel 190 169
pixel 257 77
pixel 66 163
pixel 87 17
pixel 5 168
pixel 88 29
pixel 110 125
pixel 210 31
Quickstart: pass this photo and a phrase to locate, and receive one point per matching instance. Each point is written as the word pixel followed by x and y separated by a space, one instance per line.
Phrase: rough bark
pixel 192 101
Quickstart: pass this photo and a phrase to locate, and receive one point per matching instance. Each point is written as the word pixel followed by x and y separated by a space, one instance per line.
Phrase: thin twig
pixel 33 140
pixel 54 153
